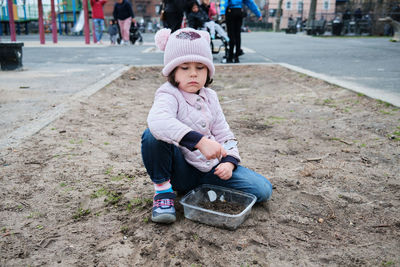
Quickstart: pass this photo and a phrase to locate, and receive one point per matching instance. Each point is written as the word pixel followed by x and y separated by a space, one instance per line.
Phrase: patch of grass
pixel 122 176
pixel 388 263
pixel 328 101
pixel 119 177
pixel 113 197
pixel 385 112
pixel 139 203
pixel 76 142
pixel 106 143
pixel 396 133
pixel 395 138
pixel 386 104
pixel 39 227
pixel 273 120
pixel 34 215
pixel 109 170
pixel 62 184
pixel 80 213
pixel 276 118
pixel 363 145
pixel 68 189
pixel 3 229
pixel 99 193
pixel 124 229
pixel 360 94
pixel 146 219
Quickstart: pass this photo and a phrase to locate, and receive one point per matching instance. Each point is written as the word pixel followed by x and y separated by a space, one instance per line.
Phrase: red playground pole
pixel 41 25
pixel 11 20
pixel 53 22
pixel 86 27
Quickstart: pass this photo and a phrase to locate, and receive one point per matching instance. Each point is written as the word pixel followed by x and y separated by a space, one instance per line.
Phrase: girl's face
pixel 191 76
pixel 195 8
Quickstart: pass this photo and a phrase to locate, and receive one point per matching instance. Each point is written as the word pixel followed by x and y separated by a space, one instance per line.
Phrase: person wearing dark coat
pixel 173 14
pixel 123 13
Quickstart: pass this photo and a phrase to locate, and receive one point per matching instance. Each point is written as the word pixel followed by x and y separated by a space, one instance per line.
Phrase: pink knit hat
pixel 184 45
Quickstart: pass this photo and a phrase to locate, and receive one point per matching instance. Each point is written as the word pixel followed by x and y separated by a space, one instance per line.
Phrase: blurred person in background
pixel 98 18
pixel 173 14
pixel 232 11
pixel 123 13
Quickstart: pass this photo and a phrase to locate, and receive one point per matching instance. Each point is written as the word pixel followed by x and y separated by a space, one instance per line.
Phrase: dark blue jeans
pixel 165 162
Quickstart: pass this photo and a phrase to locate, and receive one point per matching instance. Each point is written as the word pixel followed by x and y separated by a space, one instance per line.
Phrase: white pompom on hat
pixel 182 46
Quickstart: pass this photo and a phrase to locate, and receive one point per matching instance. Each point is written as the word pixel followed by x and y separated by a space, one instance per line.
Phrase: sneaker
pixel 163 208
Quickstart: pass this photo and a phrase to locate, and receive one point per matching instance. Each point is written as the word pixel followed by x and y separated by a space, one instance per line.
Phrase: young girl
pixel 189 142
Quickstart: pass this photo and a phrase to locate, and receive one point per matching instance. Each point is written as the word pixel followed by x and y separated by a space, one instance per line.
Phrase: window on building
pixel 326 4
pixel 300 6
pixel 288 5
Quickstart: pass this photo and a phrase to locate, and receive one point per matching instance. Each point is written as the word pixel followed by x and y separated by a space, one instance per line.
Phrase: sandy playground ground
pixel 77 193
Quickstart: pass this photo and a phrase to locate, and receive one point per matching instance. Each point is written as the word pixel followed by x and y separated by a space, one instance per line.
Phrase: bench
pixel 316 27
pixel 11 56
pixel 291 27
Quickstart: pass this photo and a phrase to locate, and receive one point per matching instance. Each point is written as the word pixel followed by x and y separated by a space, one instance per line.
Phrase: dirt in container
pixel 223 206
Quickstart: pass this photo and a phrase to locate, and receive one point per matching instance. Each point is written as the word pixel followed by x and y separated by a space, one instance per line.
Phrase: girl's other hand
pixel 224 170
pixel 211 149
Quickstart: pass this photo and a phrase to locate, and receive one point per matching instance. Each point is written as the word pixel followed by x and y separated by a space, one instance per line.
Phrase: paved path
pixel 370 65
pixel 56 75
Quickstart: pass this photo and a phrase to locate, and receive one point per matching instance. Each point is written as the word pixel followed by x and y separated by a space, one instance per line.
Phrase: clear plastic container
pixel 193 204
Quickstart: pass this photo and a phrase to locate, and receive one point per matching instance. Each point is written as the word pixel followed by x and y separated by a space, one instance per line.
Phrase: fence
pixel 26 12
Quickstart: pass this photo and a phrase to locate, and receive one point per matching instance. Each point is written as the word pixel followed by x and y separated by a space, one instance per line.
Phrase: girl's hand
pixel 210 149
pixel 224 170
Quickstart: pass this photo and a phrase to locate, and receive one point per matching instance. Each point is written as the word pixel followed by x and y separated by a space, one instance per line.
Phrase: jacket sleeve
pixel 130 10
pixel 162 120
pixel 191 20
pixel 223 6
pixel 220 129
pixel 115 12
pixel 253 7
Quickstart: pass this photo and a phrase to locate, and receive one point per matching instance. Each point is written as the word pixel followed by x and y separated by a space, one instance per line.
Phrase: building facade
pixel 298 9
pixel 146 9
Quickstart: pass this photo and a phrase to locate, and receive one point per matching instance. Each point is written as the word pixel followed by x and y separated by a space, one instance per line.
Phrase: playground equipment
pixel 13 14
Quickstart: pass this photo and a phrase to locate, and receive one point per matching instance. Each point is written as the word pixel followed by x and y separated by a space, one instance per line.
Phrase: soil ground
pixel 77 194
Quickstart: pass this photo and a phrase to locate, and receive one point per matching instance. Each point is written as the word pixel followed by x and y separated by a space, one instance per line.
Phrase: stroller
pixel 134 34
pixel 216 48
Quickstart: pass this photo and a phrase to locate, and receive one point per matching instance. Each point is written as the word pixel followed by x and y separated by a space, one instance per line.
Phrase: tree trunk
pixel 311 14
pixel 278 16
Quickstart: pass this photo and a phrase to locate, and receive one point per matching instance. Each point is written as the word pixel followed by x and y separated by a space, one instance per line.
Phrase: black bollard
pixel 11 56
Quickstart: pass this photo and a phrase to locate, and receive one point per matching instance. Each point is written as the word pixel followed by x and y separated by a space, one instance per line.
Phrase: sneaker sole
pixel 164 218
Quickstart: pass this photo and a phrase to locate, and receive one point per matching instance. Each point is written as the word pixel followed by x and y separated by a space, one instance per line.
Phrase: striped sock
pixel 163 188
